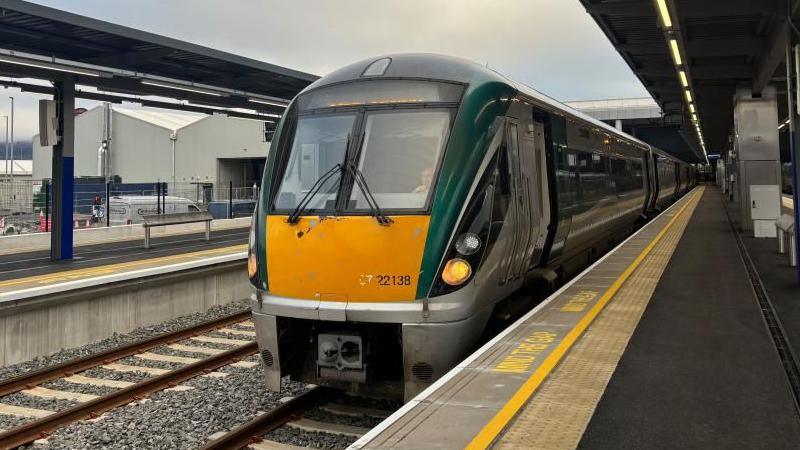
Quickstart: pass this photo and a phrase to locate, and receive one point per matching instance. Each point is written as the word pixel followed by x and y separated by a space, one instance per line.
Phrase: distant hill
pixel 22 150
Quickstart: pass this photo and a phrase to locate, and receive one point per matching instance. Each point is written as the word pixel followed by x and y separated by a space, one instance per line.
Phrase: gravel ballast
pixel 134 361
pixel 294 436
pixel 183 354
pixel 7 422
pixel 177 419
pixel 117 340
pixel 356 421
pixel 62 385
pixel 108 374
pixel 30 401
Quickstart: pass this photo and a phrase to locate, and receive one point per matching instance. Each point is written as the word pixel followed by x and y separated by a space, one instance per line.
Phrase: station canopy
pixel 114 63
pixel 717 45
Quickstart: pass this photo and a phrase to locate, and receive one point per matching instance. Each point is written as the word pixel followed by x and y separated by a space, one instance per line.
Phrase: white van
pixel 129 209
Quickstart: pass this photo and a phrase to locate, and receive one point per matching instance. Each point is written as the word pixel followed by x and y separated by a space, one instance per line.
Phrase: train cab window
pixel 320 142
pixel 399 157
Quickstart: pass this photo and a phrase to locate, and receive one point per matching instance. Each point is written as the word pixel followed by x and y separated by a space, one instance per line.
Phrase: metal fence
pixel 17 199
pixel 26 205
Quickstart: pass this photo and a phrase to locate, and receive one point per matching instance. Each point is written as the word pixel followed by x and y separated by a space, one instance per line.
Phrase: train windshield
pixel 320 143
pixel 389 134
pixel 399 157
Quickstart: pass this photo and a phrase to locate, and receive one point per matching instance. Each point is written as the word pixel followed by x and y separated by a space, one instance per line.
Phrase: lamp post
pixel 12 137
pixel 6 158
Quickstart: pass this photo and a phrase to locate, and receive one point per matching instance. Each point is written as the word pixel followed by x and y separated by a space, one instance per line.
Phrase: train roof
pixel 415 65
pixel 449 68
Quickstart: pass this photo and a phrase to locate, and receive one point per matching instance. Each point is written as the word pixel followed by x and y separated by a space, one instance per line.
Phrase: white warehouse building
pixel 145 146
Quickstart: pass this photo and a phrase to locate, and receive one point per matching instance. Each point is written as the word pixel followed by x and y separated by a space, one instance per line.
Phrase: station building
pixel 149 145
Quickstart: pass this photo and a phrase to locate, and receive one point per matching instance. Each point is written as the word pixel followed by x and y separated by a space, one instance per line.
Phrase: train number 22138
pixel 385 280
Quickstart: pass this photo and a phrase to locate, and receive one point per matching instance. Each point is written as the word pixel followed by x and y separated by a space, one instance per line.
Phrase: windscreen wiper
pixel 294 217
pixel 375 209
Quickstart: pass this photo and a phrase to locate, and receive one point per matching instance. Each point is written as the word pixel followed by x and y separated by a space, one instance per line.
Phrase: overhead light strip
pixel 675 49
pixel 663 11
pixel 264 117
pixel 267 102
pixel 48 66
pixel 676 52
pixel 181 88
pixel 684 79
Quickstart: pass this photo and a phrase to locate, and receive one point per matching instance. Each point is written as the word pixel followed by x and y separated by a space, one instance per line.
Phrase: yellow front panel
pixel 349 258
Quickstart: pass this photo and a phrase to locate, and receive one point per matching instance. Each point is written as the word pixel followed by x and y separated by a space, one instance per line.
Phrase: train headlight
pixel 456 272
pixel 468 243
pixel 252 261
pixel 252 266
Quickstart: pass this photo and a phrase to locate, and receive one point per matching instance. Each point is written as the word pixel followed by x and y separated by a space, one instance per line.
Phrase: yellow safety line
pixel 69 275
pixel 491 430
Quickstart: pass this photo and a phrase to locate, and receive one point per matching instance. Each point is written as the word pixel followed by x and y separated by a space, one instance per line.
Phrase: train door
pixel 649 187
pixel 650 193
pixel 656 179
pixel 519 209
pixel 540 215
pixel 528 167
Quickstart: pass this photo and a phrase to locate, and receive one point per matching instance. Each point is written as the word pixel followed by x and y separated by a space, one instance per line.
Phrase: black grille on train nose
pixel 422 371
pixel 266 357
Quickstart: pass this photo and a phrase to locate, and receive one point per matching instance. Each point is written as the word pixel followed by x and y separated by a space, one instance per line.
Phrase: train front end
pixel 367 179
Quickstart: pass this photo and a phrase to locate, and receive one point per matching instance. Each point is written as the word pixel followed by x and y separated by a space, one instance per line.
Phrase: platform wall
pixel 40 326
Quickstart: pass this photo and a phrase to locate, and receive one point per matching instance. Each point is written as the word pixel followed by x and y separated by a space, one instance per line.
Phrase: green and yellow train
pixel 406 199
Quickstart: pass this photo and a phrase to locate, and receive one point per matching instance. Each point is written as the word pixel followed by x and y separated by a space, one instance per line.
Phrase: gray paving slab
pixel 700 370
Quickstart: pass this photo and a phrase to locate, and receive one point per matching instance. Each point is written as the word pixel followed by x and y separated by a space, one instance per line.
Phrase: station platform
pixel 660 344
pixel 25 272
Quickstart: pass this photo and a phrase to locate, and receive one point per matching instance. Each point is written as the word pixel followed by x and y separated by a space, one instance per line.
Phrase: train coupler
pixel 341 358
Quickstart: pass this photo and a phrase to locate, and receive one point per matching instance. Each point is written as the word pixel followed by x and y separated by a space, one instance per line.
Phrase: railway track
pixel 238 342
pixel 318 418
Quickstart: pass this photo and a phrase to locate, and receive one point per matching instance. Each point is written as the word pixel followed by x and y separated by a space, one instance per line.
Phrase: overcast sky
pixel 552 45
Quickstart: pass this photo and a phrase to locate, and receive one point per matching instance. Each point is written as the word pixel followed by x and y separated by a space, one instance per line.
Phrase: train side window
pixel 502 191
pixel 567 177
pixel 637 175
pixel 503 171
pixel 619 175
pixel 593 176
pixel 512 150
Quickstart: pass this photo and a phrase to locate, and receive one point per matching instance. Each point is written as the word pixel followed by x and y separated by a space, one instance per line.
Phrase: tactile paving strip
pixel 557 415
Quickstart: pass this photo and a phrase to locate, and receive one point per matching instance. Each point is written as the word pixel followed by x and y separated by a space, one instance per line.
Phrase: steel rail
pixel 41 428
pixel 252 431
pixel 68 368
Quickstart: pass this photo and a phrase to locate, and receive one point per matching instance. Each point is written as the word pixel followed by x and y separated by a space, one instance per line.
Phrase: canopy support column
pixel 63 171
